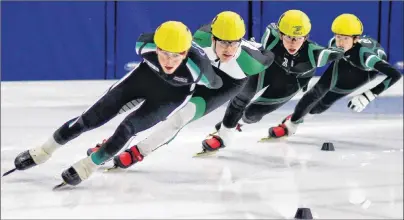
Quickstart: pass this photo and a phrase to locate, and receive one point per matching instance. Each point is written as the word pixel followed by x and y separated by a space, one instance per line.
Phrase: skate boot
pixel 80 171
pixel 215 142
pixel 31 158
pixel 287 128
pixel 212 144
pixel 96 148
pixel 128 158
pixel 36 156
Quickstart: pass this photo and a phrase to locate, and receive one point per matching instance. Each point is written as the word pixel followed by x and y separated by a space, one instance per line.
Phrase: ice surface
pixel 361 179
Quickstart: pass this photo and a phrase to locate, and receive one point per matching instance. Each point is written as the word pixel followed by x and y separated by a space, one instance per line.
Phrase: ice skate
pixel 214 143
pixel 80 171
pixel 285 129
pixel 127 158
pixel 34 156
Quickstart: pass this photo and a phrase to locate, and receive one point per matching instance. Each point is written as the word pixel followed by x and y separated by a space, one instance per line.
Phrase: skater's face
pixel 292 44
pixel 170 61
pixel 345 42
pixel 225 50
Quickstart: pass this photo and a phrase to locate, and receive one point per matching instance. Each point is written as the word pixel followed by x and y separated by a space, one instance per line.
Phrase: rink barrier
pixel 94 40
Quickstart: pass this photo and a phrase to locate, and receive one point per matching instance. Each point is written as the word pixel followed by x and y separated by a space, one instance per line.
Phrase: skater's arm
pixel 203 36
pixel 375 59
pixel 145 44
pixel 271 37
pixel 253 60
pixel 320 56
pixel 393 75
pixel 359 102
pixel 200 66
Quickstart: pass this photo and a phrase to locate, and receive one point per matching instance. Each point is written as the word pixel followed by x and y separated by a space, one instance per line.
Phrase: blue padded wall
pixel 94 40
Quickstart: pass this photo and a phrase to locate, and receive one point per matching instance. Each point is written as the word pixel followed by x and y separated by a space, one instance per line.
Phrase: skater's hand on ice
pixel 359 102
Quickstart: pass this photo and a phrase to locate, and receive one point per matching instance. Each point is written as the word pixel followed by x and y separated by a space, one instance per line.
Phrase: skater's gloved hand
pixel 359 102
pixel 254 43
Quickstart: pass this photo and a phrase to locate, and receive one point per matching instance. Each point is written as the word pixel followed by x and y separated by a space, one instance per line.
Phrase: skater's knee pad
pixel 250 118
pixel 70 130
pixel 125 130
pixel 239 102
pixel 234 112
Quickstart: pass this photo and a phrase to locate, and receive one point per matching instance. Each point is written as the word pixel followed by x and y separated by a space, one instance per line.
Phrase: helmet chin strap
pixel 214 49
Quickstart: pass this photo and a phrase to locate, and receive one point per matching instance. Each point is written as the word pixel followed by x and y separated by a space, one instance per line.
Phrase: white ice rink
pixel 361 179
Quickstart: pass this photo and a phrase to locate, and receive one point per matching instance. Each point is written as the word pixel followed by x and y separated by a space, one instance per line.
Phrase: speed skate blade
pixel 59 186
pixel 8 172
pixel 205 153
pixel 111 168
pixel 271 139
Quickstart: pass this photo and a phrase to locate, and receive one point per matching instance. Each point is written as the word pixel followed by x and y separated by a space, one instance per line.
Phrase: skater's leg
pixel 290 124
pixel 237 105
pixel 147 116
pixel 232 116
pixel 270 100
pixel 255 112
pixel 108 106
pixel 162 134
pixel 203 102
pixel 326 102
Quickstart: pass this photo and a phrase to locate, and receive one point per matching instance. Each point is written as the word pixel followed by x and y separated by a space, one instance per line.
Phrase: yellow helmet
pixel 229 26
pixel 347 24
pixel 294 23
pixel 173 36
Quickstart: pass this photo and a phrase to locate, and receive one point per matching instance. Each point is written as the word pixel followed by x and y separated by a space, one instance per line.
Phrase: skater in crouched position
pixel 296 60
pixel 234 60
pixel 164 80
pixel 364 59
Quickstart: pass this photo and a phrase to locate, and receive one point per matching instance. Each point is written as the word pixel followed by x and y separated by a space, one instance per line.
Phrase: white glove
pixel 254 43
pixel 359 102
